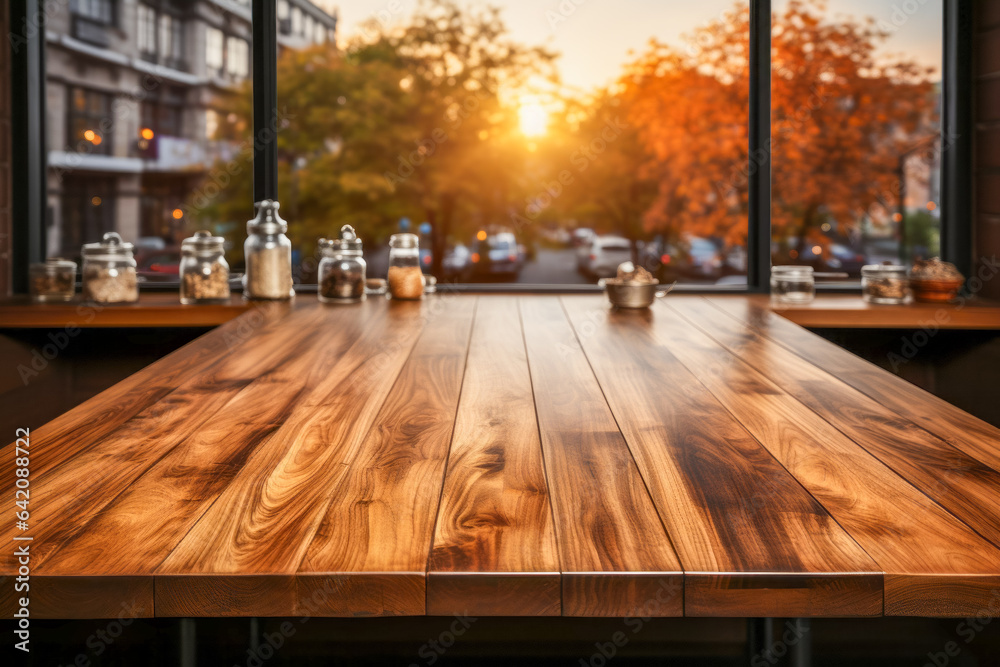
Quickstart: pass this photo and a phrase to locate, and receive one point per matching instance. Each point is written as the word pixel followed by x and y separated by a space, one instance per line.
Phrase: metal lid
pixel 882 268
pixel 203 241
pixel 111 244
pixel 267 221
pixel 404 241
pixel 53 263
pixel 792 269
pixel 348 240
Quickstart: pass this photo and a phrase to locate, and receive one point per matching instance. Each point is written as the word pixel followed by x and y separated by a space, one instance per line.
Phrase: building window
pixel 296 21
pixel 237 57
pixel 214 53
pixel 163 120
pixel 171 39
pixel 146 33
pixel 101 11
pixel 90 122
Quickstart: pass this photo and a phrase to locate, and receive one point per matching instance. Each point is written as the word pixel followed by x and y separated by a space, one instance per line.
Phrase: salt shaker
pixel 268 255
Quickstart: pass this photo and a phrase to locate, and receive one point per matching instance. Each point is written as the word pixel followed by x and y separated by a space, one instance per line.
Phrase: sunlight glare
pixel 533 118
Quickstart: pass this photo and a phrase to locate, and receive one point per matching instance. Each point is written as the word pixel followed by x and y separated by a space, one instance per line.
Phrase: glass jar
pixel 52 281
pixel 268 254
pixel 342 269
pixel 792 284
pixel 885 284
pixel 406 280
pixel 204 270
pixel 109 274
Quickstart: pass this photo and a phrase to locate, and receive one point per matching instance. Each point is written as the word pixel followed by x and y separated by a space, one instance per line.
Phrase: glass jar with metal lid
pixel 342 268
pixel 406 280
pixel 885 284
pixel 52 280
pixel 109 274
pixel 792 284
pixel 268 254
pixel 204 270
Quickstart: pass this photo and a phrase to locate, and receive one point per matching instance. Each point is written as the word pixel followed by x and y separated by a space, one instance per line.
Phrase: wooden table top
pixel 498 455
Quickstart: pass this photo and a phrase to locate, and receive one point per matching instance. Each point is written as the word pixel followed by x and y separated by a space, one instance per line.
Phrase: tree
pixel 841 117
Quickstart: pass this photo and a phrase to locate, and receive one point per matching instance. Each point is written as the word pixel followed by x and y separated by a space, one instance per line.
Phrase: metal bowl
pixel 634 296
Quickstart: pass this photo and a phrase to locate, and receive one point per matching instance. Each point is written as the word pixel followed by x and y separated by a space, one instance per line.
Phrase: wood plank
pixel 782 552
pixel 964 486
pixel 377 531
pixel 613 550
pixel 494 549
pixel 103 468
pixel 948 422
pixel 851 312
pixel 159 508
pixel 912 538
pixel 263 521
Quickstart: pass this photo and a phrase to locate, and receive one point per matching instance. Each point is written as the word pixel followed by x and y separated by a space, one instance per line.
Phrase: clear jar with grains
pixel 792 284
pixel 406 280
pixel 52 280
pixel 268 254
pixel 109 274
pixel 342 268
pixel 204 270
pixel 885 284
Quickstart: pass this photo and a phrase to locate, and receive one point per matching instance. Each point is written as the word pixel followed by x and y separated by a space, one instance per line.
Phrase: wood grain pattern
pixel 723 498
pixel 967 432
pixel 613 550
pixel 263 521
pixel 494 539
pixel 963 485
pixel 511 456
pixel 378 529
pixel 907 534
pixel 154 309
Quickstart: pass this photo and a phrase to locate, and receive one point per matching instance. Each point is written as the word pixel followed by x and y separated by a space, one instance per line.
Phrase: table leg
pixel 189 644
pixel 802 651
pixel 760 638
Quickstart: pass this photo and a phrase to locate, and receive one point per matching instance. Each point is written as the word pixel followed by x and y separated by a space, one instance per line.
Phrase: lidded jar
pixel 342 268
pixel 52 280
pixel 109 274
pixel 406 280
pixel 885 284
pixel 204 270
pixel 268 254
pixel 792 284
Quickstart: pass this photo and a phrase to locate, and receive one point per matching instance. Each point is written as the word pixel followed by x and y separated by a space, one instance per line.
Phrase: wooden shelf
pixel 851 312
pixel 154 309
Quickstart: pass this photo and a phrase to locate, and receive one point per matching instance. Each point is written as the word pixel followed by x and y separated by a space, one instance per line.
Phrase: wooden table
pixel 493 455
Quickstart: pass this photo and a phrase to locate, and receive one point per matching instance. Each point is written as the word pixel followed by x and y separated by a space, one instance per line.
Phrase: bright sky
pixel 596 36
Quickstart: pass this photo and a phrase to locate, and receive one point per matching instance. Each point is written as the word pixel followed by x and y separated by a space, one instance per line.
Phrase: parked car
pixel 582 236
pixel 496 256
pixel 605 254
pixel 456 262
pixel 662 259
pixel 842 258
pixel 704 259
pixel 159 265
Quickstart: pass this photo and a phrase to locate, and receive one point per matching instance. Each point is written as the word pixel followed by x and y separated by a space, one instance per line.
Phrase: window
pixel 90 122
pixel 100 11
pixel 237 57
pixel 214 53
pixel 140 154
pixel 581 129
pixel 146 33
pixel 856 135
pixel 171 39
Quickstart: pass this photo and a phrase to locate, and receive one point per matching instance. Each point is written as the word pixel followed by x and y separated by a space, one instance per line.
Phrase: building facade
pixel 139 97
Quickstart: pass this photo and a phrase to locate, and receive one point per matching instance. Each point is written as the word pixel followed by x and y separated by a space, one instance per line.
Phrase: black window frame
pixel 28 112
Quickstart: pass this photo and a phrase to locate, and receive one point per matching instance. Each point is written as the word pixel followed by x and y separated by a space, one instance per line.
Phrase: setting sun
pixel 533 119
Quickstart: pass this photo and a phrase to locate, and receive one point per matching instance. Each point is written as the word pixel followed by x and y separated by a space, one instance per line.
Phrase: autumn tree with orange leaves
pixel 842 115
